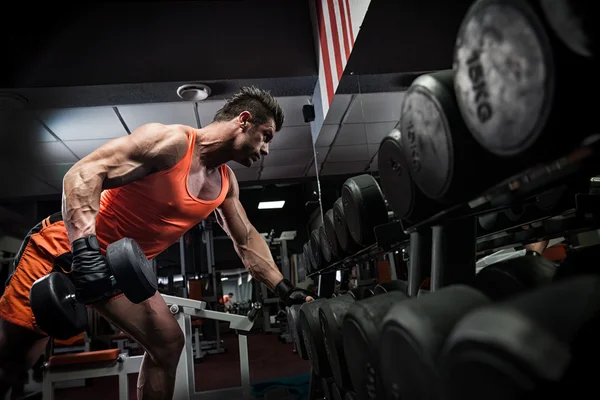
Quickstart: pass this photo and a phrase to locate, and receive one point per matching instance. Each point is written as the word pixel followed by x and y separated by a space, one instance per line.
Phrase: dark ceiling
pixel 147 42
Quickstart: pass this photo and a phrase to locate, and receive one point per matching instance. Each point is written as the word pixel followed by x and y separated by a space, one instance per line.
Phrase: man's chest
pixel 203 184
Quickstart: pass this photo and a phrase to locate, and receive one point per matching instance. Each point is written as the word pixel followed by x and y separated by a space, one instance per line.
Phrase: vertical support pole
pixel 326 284
pixel 184 380
pixel 419 260
pixel 285 262
pixel 182 264
pixel 210 242
pixel 453 252
pixel 244 365
pixel 392 260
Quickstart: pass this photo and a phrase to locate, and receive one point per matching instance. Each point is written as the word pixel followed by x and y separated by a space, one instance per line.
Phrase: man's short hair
pixel 230 294
pixel 260 103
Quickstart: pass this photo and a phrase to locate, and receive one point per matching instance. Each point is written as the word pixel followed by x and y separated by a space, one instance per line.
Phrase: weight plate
pixel 329 224
pixel 396 182
pixel 306 254
pixel 504 75
pixel 132 270
pixel 315 248
pixel 331 316
pixel 341 228
pixel 313 337
pixel 55 311
pixel 515 212
pixel 294 327
pixel 427 143
pixel 325 245
pixel 361 332
pixel 395 285
pixel 364 208
pixel 572 23
pixel 488 221
pixel 415 331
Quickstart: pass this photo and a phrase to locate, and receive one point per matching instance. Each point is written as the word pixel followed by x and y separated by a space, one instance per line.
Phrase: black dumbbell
pixel 58 313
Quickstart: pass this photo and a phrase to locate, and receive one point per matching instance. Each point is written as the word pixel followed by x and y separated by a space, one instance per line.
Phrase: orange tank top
pixel 157 209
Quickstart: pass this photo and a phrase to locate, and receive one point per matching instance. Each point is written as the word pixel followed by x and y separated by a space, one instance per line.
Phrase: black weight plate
pixel 325 245
pixel 341 229
pixel 510 277
pixel 313 337
pixel 361 332
pixel 515 212
pixel 488 221
pixel 415 331
pixel 504 75
pixel 315 248
pixel 329 224
pixel 364 208
pixel 336 392
pixel 395 285
pixel 361 292
pixel 574 23
pixel 396 182
pixel 326 385
pixel 293 319
pixel 406 200
pixel 56 313
pixel 350 395
pixel 132 270
pixel 306 254
pixel 331 316
pixel 427 141
pixel 533 346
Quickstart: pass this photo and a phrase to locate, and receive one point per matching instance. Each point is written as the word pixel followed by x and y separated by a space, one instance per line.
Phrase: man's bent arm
pixel 118 162
pixel 248 243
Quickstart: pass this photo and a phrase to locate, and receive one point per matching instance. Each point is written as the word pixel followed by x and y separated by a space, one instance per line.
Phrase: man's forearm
pixel 257 259
pixel 81 202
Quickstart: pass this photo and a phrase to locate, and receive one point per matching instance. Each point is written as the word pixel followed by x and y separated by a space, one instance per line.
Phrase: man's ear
pixel 244 120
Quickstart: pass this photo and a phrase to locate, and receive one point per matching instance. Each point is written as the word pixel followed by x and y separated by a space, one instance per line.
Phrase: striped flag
pixel 336 24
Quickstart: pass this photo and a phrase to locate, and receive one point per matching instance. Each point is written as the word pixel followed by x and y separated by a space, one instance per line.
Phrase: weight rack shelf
pixel 581 215
pixel 366 254
pixel 522 187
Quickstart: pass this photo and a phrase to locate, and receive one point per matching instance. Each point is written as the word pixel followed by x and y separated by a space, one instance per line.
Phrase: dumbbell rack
pixel 183 309
pixel 444 246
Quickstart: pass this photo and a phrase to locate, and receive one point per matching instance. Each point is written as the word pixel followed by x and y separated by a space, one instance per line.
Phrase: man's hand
pixel 291 295
pixel 91 274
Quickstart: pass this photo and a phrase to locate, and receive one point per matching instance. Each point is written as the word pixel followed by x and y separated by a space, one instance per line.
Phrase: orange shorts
pixel 46 248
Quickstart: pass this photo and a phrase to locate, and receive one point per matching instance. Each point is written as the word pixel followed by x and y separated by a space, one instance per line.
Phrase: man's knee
pixel 167 351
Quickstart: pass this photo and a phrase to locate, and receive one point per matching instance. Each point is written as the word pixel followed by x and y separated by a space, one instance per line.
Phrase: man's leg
pixel 153 327
pixel 20 348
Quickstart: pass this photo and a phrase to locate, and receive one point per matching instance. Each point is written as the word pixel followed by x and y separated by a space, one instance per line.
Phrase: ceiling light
pixel 193 92
pixel 267 205
pixel 224 278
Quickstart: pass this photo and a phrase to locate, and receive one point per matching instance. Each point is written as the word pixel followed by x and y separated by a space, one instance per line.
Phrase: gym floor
pixel 269 359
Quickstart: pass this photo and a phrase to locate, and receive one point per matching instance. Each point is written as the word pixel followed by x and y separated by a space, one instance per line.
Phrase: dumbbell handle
pixel 73 298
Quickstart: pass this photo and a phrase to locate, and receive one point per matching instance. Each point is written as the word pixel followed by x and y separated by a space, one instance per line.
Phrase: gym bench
pixel 89 364
pixel 95 364
pixel 183 310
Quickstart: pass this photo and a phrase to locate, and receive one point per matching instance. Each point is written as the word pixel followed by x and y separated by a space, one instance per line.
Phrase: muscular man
pixel 152 186
pixel 226 301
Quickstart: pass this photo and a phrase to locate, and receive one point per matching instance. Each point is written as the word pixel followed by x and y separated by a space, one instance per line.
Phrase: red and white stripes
pixel 335 26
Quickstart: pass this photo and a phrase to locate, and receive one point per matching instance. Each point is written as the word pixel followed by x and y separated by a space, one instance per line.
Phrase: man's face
pixel 253 142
